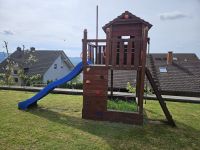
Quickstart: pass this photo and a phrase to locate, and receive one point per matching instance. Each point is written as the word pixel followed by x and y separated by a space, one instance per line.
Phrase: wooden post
pixel 139 93
pixel 114 52
pixel 142 61
pixel 107 46
pixel 84 50
pixel 99 58
pixel 97 21
pixel 121 54
pixel 129 50
pixel 159 97
pixel 92 59
pixel 111 83
pixel 96 43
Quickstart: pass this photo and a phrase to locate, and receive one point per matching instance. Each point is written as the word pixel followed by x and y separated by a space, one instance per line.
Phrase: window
pixel 125 43
pixel 163 69
pixel 16 80
pixel 55 66
pixel 26 70
pixel 125 37
pixel 15 71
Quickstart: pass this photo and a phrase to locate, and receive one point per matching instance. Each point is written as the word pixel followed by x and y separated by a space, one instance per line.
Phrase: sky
pixel 59 25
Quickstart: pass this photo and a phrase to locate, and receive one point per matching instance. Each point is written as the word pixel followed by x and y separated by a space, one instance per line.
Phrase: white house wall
pixel 59 72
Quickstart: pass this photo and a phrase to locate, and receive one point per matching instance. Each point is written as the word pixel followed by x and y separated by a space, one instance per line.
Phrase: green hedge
pixel 72 85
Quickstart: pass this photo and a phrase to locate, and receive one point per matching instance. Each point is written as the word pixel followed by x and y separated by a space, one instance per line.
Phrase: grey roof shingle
pixel 44 59
pixel 122 77
pixel 183 75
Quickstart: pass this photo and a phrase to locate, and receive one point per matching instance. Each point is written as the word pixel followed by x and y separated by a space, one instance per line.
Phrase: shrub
pixel 78 85
pixel 130 88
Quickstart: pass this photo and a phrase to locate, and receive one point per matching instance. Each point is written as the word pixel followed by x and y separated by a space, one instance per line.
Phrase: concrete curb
pixel 124 95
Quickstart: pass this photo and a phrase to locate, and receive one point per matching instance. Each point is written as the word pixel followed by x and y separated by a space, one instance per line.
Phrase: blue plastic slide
pixel 33 100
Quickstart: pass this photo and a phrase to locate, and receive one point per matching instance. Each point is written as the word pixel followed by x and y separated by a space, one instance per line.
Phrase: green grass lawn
pixel 122 105
pixel 57 124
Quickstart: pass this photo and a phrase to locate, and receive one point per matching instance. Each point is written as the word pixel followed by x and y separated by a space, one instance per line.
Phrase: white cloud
pixel 59 24
pixel 173 15
pixel 7 32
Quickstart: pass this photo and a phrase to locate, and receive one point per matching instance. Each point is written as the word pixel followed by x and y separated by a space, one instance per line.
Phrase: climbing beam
pixel 160 99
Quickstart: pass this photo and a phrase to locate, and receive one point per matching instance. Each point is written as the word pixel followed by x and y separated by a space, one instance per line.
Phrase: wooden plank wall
pixel 131 53
pixel 118 53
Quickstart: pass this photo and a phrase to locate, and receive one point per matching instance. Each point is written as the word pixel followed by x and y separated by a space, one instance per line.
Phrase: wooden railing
pixel 124 53
pixel 96 53
pixel 117 53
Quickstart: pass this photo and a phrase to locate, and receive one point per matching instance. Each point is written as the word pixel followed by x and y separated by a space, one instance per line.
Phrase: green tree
pixel 2 77
pixel 29 60
pixel 77 79
pixel 8 68
pixel 35 79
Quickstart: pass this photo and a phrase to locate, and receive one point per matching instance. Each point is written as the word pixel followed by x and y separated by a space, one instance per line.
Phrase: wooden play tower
pixel 123 49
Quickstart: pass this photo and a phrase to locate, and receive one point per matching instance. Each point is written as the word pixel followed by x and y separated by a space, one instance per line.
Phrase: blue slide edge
pixel 76 71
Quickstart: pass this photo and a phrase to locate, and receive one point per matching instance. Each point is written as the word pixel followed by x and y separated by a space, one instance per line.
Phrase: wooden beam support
pixel 96 40
pixel 111 83
pixel 84 49
pixel 107 46
pixel 160 99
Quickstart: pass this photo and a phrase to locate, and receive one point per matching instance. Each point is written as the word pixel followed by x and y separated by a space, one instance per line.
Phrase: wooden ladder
pixel 160 99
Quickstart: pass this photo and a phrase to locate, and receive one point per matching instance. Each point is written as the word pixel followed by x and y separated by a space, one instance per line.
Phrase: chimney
pixel 169 57
pixel 19 49
pixel 32 49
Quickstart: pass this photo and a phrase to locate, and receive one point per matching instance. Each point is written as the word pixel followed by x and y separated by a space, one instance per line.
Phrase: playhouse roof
pixel 122 20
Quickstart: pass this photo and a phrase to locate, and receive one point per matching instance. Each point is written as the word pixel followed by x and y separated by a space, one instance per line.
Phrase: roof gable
pixel 44 59
pixel 125 18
